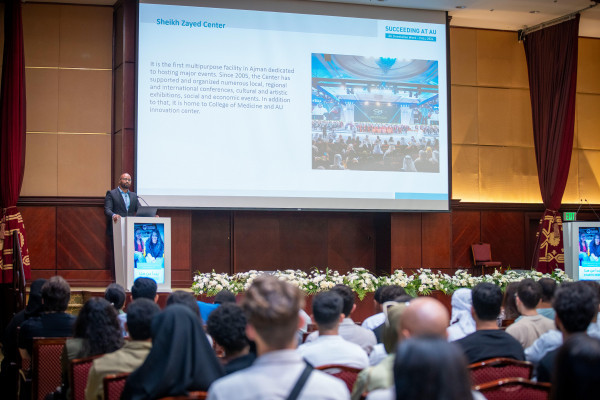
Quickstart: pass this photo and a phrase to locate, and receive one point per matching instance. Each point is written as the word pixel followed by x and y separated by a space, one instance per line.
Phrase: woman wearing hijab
pixel 181 359
pixel 461 321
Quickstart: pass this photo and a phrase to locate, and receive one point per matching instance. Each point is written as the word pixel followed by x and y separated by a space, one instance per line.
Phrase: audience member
pixel 531 325
pixel 576 304
pixel 53 321
pixel 381 376
pixel 509 303
pixel 181 358
pixel 461 320
pixel 330 348
pixel 115 294
pixel 224 296
pixel 348 330
pixel 425 316
pixel 390 293
pixel 144 287
pixel 96 331
pixel 379 352
pixel 378 318
pixel 139 320
pixel 9 341
pixel 185 299
pixel 227 326
pixel 272 307
pixel 577 369
pixel 544 307
pixel 428 368
pixel 488 341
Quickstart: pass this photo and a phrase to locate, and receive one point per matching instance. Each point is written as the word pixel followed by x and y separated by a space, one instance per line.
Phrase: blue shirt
pixel 125 197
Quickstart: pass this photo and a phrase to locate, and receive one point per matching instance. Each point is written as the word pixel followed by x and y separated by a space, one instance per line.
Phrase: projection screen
pixel 291 105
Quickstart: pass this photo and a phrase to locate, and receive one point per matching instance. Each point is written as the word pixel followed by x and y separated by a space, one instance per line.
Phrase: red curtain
pixel 12 138
pixel 552 67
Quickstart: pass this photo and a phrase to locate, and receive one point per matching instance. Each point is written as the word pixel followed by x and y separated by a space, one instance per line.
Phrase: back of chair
pixel 481 252
pixel 498 368
pixel 514 389
pixel 46 366
pixel 78 376
pixel 114 385
pixel 346 374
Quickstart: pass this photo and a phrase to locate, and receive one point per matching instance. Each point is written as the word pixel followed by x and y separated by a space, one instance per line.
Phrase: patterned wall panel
pixel 211 241
pixel 406 240
pixel 40 227
pixel 505 232
pixel 436 240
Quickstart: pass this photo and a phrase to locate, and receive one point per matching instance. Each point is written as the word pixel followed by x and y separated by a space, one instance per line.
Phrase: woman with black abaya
pixel 181 359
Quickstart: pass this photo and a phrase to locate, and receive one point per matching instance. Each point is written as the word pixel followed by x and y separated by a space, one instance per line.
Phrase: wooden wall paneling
pixel 256 241
pixel 87 277
pixel 82 243
pixel 41 274
pixel 303 240
pixel 531 223
pixel 40 228
pixel 466 227
pixel 351 241
pixel 436 240
pixel 505 232
pixel 211 242
pixel 383 243
pixel 181 256
pixel 406 241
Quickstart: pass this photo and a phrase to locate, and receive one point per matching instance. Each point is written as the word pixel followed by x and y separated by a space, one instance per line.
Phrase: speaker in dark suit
pixel 114 202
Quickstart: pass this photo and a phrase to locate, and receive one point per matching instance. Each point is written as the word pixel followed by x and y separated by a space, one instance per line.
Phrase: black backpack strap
pixel 300 383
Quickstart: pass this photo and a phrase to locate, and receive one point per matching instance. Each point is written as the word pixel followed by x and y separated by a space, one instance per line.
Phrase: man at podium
pixel 120 202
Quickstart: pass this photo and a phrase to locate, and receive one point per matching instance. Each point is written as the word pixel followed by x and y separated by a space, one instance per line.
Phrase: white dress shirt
pixel 333 349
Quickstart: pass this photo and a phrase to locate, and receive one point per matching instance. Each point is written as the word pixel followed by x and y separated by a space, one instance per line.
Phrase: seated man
pixel 348 330
pixel 53 322
pixel 272 307
pixel 330 347
pixel 378 318
pixel 488 341
pixel 227 327
pixel 424 316
pixel 531 325
pixel 128 358
pixel 144 287
pixel 576 304
pixel 389 293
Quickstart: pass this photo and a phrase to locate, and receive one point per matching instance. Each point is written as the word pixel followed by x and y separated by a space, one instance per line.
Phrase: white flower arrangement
pixel 362 281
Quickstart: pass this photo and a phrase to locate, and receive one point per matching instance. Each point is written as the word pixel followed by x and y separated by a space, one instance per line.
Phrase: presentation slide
pixel 589 253
pixel 291 110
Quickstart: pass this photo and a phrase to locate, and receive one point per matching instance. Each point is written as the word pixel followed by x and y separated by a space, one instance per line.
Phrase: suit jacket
pixel 114 204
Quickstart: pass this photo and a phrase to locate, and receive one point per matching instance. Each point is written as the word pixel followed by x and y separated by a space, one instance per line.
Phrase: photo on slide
pixel 374 114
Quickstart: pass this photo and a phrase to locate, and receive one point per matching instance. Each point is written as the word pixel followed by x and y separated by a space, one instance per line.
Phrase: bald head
pixel 424 316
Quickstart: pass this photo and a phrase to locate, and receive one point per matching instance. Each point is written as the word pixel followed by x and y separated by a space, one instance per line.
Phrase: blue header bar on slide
pixel 263 20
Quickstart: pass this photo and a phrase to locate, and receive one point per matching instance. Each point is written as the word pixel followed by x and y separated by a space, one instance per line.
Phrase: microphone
pixel 142 199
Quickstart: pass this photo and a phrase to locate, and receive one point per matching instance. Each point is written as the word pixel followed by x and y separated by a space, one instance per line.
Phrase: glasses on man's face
pixel 126 179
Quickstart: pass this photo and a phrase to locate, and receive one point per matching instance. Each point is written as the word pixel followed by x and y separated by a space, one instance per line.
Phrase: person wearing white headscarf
pixel 461 321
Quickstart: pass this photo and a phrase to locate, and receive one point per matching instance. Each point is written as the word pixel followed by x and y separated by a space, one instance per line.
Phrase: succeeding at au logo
pixel 410 33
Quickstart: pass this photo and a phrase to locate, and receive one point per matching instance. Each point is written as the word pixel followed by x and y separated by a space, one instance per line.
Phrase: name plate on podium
pixel 143 249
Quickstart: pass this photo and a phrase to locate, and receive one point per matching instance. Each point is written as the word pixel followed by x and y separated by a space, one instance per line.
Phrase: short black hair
pixel 487 301
pixel 348 297
pixel 575 304
pixel 224 296
pixel 548 289
pixel 576 368
pixel 529 292
pixel 377 294
pixel 115 294
pixel 139 318
pixel 144 287
pixel 327 308
pixel 184 298
pixel 391 293
pixel 56 294
pixel 227 326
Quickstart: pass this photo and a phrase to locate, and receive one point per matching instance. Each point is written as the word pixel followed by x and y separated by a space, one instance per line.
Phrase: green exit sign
pixel 569 216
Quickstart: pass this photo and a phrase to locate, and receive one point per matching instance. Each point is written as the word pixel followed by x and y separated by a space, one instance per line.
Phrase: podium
pixel 142 247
